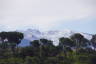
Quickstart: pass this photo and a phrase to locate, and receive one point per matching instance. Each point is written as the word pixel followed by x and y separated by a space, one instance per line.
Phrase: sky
pixel 78 15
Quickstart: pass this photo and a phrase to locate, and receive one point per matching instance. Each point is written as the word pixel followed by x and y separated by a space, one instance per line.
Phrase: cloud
pixel 40 22
pixel 65 8
pixel 44 14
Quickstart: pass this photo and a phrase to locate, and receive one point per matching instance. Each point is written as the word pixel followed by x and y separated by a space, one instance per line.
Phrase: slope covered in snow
pixel 34 34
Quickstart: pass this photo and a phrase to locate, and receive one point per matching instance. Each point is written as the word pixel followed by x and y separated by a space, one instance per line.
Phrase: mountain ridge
pixel 32 33
pixel 35 34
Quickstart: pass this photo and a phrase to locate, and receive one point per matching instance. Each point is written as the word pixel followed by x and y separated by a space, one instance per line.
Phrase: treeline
pixel 73 50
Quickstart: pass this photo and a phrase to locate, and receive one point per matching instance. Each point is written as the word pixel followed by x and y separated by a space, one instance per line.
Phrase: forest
pixel 73 50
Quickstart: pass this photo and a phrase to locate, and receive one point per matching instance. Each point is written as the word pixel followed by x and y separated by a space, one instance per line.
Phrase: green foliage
pixel 93 40
pixel 35 43
pixel 11 61
pixel 66 42
pixel 32 60
pixel 44 52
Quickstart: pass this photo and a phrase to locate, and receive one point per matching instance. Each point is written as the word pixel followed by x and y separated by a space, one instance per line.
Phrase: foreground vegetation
pixel 73 50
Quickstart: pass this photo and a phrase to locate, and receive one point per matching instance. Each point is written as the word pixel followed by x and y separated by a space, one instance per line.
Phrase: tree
pixel 93 40
pixel 65 42
pixel 3 36
pixel 3 39
pixel 85 43
pixel 78 39
pixel 35 47
pixel 45 41
pixel 14 38
pixel 35 43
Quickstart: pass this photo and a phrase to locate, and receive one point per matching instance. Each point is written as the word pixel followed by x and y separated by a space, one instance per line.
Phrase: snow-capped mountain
pixel 34 34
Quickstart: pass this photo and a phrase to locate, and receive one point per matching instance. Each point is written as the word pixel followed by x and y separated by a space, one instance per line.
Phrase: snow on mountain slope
pixel 34 34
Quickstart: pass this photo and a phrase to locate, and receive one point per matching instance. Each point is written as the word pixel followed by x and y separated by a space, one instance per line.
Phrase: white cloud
pixel 43 13
pixel 41 22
